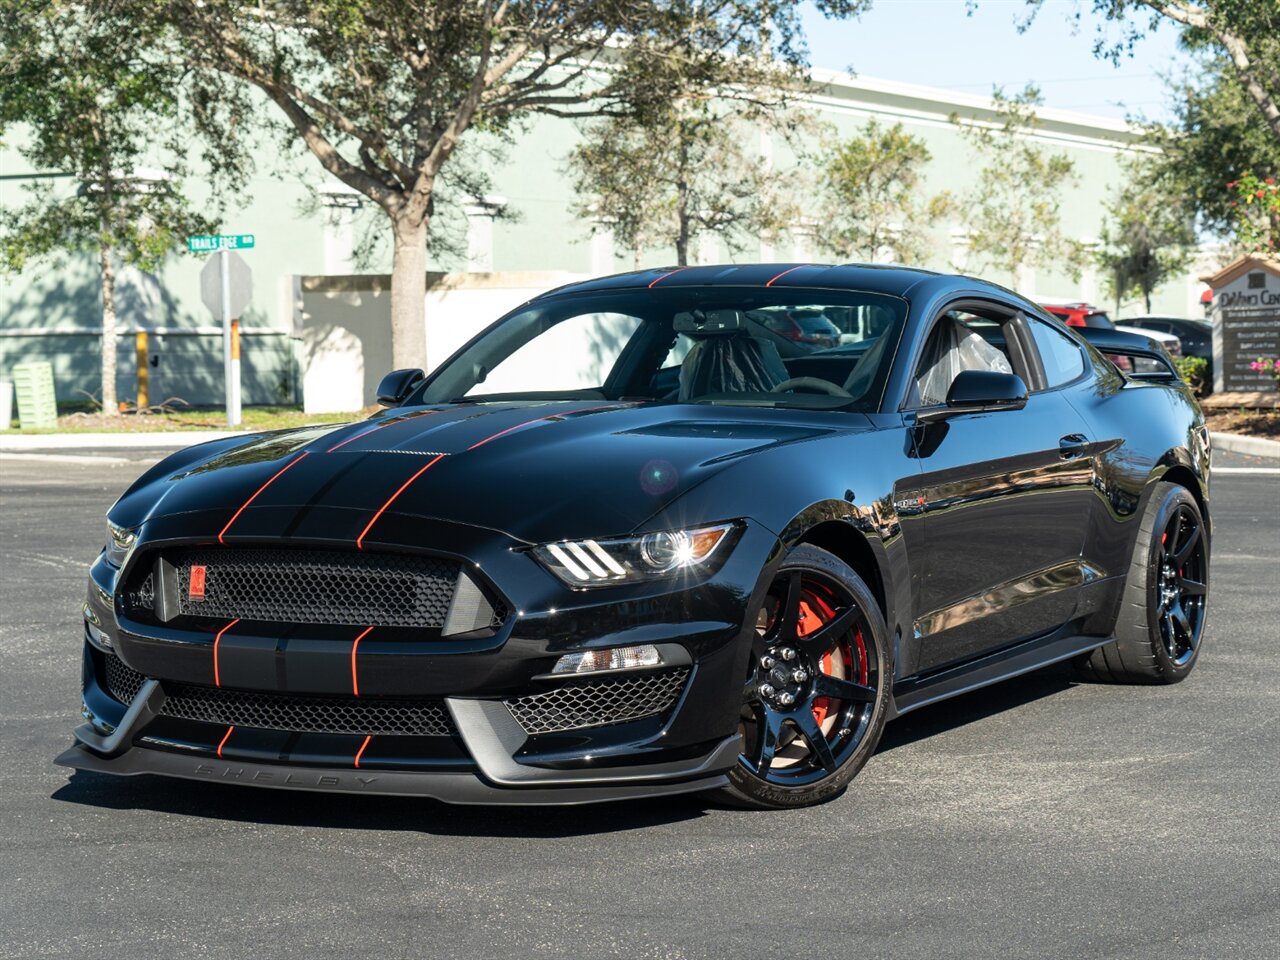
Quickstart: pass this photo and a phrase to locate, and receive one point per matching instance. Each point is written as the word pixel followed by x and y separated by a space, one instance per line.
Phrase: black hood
pixel 535 471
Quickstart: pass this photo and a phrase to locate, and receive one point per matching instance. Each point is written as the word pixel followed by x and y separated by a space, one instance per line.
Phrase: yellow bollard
pixel 144 369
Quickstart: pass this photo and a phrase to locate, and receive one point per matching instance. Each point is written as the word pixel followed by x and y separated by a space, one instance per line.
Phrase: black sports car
pixel 631 541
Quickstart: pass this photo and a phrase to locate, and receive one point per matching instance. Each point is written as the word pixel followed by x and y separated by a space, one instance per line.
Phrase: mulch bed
pixel 1249 423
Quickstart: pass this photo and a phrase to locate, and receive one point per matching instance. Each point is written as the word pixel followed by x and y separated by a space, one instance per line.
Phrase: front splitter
pixel 462 788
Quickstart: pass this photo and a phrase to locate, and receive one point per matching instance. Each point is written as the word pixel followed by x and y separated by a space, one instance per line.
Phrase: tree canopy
pixel 871 186
pixel 382 92
pixel 82 98
pixel 1011 216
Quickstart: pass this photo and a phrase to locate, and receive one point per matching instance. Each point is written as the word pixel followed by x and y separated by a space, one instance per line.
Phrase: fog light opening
pixel 615 658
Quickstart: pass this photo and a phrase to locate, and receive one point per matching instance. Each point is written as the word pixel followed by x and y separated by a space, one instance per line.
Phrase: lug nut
pixel 786 699
pixel 766 690
pixel 800 675
pixel 787 653
pixel 767 662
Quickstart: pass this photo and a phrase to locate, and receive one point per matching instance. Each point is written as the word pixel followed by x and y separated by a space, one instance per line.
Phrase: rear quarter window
pixel 1060 356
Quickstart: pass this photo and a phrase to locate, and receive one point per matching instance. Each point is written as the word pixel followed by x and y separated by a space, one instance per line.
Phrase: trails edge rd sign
pixel 212 244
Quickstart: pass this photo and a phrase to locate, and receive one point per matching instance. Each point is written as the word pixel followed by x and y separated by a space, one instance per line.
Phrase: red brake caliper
pixel 814 612
pixel 811 620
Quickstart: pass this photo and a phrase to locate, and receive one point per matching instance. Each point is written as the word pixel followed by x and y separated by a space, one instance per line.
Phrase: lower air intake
pixel 420 717
pixel 123 682
pixel 579 704
pixel 301 714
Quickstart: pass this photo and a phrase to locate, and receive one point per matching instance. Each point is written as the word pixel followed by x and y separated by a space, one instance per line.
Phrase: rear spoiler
pixel 1113 343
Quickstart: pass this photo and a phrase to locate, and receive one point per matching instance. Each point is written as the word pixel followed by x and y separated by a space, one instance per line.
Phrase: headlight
pixel 120 541
pixel 599 563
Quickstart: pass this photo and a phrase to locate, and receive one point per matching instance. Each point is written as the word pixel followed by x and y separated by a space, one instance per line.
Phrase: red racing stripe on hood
pixel 295 460
pixel 404 486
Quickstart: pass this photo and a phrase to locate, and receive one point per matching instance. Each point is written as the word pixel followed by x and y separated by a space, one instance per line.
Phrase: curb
pixel 166 439
pixel 1252 446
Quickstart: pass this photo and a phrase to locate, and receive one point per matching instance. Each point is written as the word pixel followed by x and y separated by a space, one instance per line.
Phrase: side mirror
pixel 397 385
pixel 979 391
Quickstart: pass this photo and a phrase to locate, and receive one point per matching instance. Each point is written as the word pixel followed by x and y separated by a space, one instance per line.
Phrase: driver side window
pixel 959 341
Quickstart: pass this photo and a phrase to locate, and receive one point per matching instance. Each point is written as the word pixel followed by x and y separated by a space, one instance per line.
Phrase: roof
pixel 875 278
pixel 1242 265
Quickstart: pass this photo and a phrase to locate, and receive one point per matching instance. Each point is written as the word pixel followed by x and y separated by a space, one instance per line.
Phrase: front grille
pixel 281 711
pixel 311 586
pixel 123 682
pixel 594 703
pixel 303 714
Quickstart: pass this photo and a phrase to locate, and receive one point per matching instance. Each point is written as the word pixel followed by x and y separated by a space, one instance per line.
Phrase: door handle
pixel 1070 446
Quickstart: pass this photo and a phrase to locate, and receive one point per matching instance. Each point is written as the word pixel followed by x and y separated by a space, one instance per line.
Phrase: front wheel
pixel 817 685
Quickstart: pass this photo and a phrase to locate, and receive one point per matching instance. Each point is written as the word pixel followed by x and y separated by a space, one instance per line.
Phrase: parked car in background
pixel 1082 314
pixel 1077 313
pixel 1195 336
pixel 802 325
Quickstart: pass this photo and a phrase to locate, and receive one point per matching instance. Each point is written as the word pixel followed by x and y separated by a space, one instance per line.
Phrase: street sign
pixel 212 244
pixel 226 287
pixel 238 289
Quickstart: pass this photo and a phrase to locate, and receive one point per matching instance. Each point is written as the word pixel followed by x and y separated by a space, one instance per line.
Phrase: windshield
pixel 718 345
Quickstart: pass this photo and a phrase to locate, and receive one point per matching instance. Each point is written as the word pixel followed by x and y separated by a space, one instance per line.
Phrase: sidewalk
pixel 1253 446
pixel 153 440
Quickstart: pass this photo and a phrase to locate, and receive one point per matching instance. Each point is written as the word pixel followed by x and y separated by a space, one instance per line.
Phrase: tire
pixel 819 619
pixel 1163 609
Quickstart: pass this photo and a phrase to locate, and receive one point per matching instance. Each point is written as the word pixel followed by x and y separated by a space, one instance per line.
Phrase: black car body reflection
pixel 384 606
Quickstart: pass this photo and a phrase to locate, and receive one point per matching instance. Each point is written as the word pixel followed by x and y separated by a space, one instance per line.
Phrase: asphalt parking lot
pixel 1038 818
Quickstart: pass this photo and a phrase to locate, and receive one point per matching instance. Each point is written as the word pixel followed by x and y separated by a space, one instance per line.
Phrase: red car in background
pixel 1082 314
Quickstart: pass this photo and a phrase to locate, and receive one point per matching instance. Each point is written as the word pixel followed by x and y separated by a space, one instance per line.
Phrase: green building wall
pixel 52 311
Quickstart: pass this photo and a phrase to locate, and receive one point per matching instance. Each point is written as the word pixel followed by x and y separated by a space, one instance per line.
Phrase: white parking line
pixel 67 458
pixel 1255 471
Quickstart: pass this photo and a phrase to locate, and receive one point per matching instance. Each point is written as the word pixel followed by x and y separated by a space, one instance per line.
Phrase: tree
pixel 1147 237
pixel 382 92
pixel 1213 139
pixel 670 174
pixel 89 105
pixel 1245 32
pixel 871 187
pixel 1012 214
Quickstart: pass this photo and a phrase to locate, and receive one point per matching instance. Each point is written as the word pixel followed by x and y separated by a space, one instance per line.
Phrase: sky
pixel 935 43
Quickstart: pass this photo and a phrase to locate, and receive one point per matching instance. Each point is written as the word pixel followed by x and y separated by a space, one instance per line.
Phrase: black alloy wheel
pixel 814 697
pixel 1181 585
pixel 1160 627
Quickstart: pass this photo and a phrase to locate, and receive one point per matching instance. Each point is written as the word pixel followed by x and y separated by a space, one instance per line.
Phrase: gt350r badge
pixel 196 589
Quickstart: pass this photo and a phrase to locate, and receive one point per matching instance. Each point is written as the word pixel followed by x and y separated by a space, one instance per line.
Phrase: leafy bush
pixel 1195 371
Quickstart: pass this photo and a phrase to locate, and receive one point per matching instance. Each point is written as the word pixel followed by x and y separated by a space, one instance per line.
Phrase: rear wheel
pixel 1166 594
pixel 817 686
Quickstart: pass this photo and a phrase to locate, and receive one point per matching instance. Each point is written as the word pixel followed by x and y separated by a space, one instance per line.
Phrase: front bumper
pixel 482 749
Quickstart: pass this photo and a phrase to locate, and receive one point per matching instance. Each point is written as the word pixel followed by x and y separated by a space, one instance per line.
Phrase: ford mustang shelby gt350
pixel 632 540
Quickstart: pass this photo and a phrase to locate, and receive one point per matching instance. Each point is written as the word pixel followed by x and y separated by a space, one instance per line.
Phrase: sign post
pixel 226 287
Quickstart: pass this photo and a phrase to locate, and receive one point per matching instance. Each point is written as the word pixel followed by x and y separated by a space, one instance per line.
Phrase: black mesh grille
pixel 594 703
pixel 123 682
pixel 143 597
pixel 277 711
pixel 317 586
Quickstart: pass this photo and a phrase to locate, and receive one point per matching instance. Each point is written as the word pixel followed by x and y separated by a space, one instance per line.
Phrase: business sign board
pixel 1246 324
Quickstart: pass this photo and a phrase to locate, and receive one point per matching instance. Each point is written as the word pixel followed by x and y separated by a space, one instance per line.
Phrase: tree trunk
pixel 682 216
pixel 110 406
pixel 408 292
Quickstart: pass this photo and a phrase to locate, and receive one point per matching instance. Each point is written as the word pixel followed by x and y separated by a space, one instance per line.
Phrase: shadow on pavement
pixel 978 705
